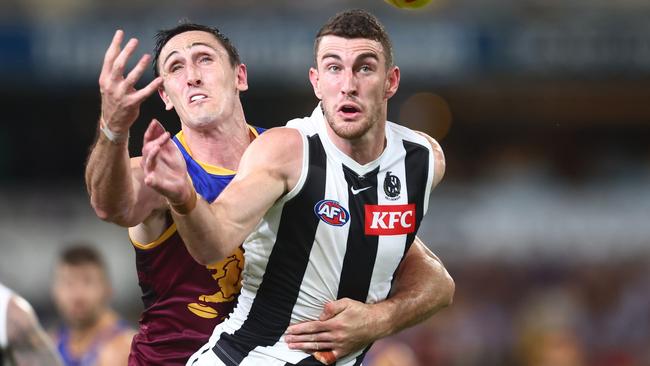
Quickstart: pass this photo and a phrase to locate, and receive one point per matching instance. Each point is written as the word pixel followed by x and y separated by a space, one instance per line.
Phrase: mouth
pixel 197 98
pixel 349 111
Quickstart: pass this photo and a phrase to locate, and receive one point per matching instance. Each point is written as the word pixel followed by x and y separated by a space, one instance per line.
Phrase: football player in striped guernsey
pixel 328 219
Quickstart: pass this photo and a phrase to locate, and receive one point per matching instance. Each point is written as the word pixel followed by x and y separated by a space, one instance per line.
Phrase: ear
pixel 242 77
pixel 314 78
pixel 165 98
pixel 392 82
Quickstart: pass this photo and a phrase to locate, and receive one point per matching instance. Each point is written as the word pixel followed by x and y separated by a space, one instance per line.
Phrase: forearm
pixel 109 181
pixel 422 287
pixel 204 234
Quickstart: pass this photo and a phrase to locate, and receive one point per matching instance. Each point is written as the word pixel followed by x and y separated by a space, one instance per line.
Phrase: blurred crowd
pixel 534 314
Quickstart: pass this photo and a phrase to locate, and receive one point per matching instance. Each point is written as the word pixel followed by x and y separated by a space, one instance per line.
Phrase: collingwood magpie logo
pixel 392 186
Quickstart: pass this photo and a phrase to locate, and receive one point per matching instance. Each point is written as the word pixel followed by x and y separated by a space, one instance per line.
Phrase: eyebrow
pixel 362 56
pixel 191 46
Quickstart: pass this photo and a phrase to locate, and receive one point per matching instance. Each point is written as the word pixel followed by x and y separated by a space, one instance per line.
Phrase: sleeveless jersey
pixel 183 300
pixel 89 358
pixel 341 232
pixel 5 296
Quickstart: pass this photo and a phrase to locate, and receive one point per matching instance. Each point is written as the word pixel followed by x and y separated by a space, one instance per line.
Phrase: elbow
pixel 205 257
pixel 450 289
pixel 111 215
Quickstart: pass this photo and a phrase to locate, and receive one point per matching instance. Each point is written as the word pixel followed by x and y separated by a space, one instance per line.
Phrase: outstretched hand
pixel 120 100
pixel 163 165
pixel 344 326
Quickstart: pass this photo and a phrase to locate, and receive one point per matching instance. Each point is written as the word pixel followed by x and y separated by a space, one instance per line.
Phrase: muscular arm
pixel 267 170
pixel 28 343
pixel 113 180
pixel 422 287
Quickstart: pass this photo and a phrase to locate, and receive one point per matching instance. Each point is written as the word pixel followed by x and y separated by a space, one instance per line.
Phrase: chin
pixel 350 130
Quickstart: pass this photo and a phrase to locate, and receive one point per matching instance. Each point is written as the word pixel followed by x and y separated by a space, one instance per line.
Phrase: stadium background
pixel 542 108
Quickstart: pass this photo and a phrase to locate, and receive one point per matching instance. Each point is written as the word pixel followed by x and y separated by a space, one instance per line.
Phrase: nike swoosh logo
pixel 356 191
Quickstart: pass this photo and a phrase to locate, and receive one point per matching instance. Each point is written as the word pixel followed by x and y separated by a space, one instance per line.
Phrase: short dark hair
pixel 80 253
pixel 163 36
pixel 356 23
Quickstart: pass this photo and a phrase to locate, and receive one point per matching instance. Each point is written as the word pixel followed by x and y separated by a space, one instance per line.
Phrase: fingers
pixel 153 131
pixel 119 64
pixel 111 52
pixel 331 309
pixel 137 71
pixel 149 89
pixel 154 147
pixel 305 328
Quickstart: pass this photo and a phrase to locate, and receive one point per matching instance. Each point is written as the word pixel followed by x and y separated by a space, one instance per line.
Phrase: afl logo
pixel 392 186
pixel 331 212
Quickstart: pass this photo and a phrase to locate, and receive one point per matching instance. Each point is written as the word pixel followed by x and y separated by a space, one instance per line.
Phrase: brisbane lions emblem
pixel 331 212
pixel 392 186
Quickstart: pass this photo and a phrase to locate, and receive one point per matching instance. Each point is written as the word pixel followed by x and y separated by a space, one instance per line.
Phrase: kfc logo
pixel 389 219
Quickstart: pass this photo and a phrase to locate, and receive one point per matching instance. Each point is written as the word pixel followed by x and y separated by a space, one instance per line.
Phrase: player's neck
pixel 220 145
pixel 364 149
pixel 82 337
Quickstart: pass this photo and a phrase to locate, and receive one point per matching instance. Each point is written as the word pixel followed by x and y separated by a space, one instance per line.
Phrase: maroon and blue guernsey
pixel 183 300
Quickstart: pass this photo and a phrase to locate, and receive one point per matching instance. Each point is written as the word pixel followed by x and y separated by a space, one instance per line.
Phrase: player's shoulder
pixel 407 134
pixel 306 125
pixel 277 142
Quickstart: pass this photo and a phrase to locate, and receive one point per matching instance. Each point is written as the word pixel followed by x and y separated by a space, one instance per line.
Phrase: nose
pixel 349 84
pixel 193 75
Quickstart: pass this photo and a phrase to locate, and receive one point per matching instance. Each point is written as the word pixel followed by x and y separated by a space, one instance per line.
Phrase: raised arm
pixel 269 168
pixel 28 343
pixel 114 181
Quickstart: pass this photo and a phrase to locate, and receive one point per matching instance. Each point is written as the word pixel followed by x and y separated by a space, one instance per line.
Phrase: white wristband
pixel 113 137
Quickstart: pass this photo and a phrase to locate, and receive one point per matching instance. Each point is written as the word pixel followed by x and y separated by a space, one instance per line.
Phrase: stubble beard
pixel 351 130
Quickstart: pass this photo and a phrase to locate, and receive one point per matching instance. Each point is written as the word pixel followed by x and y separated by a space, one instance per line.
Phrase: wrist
pixel 186 206
pixel 113 136
pixel 384 314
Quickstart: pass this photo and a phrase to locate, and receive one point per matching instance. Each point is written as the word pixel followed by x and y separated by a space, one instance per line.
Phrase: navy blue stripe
pixel 271 310
pixel 361 249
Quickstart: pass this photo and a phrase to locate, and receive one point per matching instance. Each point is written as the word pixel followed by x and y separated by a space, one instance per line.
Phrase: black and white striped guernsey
pixel 341 232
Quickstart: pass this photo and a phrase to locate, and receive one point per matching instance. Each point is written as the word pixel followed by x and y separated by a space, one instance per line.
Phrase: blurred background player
pixel 92 333
pixel 22 340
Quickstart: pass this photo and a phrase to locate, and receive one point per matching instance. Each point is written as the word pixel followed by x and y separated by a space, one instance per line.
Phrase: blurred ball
pixel 408 4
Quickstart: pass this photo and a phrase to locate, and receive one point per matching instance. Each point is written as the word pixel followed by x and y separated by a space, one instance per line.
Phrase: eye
pixel 365 68
pixel 333 68
pixel 205 59
pixel 175 67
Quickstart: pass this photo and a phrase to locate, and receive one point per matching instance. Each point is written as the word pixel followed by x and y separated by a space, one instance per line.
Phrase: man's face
pixel 353 83
pixel 198 80
pixel 81 293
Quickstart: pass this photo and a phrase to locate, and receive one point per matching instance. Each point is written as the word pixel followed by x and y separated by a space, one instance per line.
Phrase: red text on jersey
pixel 389 219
